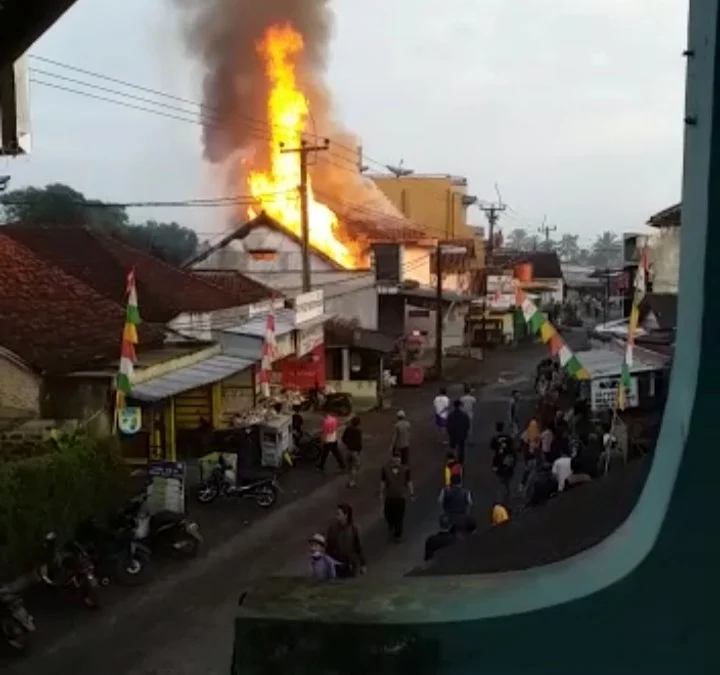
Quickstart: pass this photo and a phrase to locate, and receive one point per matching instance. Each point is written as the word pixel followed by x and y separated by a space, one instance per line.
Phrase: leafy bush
pixel 81 478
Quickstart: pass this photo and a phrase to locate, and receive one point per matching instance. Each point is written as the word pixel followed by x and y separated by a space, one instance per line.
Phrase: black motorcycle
pixel 337 403
pixel 165 532
pixel 259 485
pixel 306 448
pixel 115 551
pixel 16 623
pixel 70 568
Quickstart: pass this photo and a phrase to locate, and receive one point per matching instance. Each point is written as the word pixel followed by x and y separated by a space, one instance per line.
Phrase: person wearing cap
pixel 401 438
pixel 322 566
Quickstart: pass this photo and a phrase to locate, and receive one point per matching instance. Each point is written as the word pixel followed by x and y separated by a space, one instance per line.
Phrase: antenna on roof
pixel 399 171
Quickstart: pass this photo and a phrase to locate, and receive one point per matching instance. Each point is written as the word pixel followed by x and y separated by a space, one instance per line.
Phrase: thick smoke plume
pixel 223 35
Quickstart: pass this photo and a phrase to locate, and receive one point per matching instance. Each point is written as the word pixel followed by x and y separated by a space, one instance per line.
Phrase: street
pixel 182 623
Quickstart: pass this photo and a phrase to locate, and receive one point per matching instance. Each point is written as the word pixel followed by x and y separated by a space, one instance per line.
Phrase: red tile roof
pixel 54 322
pixel 102 262
pixel 236 283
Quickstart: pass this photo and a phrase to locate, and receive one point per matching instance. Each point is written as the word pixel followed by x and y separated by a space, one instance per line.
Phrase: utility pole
pixel 439 311
pixel 361 166
pixel 303 151
pixel 492 213
pixel 545 230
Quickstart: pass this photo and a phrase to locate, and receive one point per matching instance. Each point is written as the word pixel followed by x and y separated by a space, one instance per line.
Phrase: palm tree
pixel 568 248
pixel 607 250
pixel 517 239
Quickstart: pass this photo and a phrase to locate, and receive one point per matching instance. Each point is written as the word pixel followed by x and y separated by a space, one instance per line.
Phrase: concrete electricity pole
pixel 545 230
pixel 492 213
pixel 303 151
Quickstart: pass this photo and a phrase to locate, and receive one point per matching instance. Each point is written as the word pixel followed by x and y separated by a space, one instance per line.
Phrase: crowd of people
pixel 558 448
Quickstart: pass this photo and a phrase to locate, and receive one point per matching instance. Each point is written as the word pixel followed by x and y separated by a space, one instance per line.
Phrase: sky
pixel 572 107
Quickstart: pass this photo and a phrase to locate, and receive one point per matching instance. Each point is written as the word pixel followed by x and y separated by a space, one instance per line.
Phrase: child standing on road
pixel 322 566
pixel 452 468
pixel 352 439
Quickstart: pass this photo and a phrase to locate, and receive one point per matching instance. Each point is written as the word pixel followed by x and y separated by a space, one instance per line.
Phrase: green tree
pixel 169 241
pixel 607 250
pixel 59 204
pixel 517 239
pixel 532 243
pixel 568 248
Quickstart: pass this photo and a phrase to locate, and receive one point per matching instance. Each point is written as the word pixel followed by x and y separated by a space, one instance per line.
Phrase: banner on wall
pixel 129 420
pixel 166 491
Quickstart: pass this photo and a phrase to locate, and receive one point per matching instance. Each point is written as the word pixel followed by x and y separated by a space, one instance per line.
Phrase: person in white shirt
pixel 441 407
pixel 562 469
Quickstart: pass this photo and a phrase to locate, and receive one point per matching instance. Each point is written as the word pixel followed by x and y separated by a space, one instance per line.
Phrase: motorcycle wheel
pixel 14 636
pixel 207 494
pixel 131 569
pixel 265 496
pixel 187 547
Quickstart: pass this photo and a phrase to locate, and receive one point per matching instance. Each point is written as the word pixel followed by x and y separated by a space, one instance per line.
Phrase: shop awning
pixel 204 372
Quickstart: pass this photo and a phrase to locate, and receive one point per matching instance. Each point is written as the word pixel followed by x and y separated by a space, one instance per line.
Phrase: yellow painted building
pixel 435 202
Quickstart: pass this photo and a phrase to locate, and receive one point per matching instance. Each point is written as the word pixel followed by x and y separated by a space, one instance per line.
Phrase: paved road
pixel 183 624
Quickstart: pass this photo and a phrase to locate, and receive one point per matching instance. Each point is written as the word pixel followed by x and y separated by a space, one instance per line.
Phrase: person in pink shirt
pixel 329 434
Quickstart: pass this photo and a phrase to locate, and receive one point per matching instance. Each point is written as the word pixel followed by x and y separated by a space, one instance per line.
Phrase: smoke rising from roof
pixel 222 35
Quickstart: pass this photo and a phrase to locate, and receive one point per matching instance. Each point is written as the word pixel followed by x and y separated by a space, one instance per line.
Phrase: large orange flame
pixel 276 189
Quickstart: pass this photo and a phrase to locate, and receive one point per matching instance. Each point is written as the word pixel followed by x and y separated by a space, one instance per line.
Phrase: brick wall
pixel 19 387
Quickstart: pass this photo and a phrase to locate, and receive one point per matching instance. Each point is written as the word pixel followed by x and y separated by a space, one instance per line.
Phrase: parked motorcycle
pixel 165 532
pixel 16 623
pixel 306 448
pixel 337 402
pixel 70 568
pixel 115 551
pixel 259 485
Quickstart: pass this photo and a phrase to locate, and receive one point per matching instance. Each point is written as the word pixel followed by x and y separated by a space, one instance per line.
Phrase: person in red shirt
pixel 330 442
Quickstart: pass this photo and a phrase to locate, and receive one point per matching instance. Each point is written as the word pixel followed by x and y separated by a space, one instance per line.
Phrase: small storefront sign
pixel 166 491
pixel 309 306
pixel 129 420
pixel 306 340
pixel 603 393
pixel 501 291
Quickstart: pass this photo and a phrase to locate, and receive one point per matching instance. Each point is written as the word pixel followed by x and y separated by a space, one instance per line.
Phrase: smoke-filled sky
pixel 573 107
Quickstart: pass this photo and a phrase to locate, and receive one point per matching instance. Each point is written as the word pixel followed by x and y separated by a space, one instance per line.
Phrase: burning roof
pixel 264 77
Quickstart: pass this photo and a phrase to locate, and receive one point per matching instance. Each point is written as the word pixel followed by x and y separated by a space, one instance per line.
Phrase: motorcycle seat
pixel 245 476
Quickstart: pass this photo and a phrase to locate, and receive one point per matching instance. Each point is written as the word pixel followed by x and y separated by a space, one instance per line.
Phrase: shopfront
pixel 305 368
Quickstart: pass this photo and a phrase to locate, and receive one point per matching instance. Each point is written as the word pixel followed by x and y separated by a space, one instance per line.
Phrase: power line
pixel 179 99
pixel 191 203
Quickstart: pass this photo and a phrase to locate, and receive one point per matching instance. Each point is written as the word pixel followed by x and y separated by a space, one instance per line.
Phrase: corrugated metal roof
pixel 255 327
pixel 210 370
pixel 608 362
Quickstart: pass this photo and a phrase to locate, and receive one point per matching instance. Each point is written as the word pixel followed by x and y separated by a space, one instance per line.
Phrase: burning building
pixel 264 66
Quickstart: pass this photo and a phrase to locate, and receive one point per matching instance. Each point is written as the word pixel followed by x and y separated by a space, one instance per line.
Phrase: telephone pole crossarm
pixel 303 151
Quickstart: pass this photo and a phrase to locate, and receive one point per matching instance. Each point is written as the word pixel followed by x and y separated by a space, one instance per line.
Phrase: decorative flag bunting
pixel 638 295
pixel 128 357
pixel 539 323
pixel 268 354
